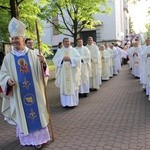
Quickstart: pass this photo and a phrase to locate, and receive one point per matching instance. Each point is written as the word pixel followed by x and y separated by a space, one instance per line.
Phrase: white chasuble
pixel 105 65
pixel 135 56
pixel 68 75
pixel 85 69
pixel 95 79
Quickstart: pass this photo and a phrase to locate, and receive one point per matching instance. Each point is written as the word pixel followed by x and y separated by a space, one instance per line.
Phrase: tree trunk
pixel 75 40
pixel 13 9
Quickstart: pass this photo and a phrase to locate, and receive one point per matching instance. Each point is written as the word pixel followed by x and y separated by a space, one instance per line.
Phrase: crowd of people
pixel 82 69
pixel 139 56
pixel 78 71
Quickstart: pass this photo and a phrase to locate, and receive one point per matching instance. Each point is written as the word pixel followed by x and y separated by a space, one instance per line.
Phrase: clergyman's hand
pixel 41 58
pixel 10 82
pixel 66 58
pixel 148 55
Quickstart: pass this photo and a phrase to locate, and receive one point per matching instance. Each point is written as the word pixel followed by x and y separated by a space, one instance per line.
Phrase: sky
pixel 138 13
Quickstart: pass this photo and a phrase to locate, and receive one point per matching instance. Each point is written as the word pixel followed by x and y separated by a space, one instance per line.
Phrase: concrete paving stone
pixel 107 147
pixel 125 141
pixel 147 147
pixel 66 148
pixel 124 146
pixel 117 144
pixel 75 147
pixel 141 137
pixel 93 144
pixel 62 144
pixel 101 143
pixel 111 138
pixel 99 148
pixel 113 134
pixel 141 141
pixel 110 143
pixel 134 138
pixel 133 146
pixel 147 143
pixel 141 144
pixel 91 148
pixel 115 148
pixel 115 117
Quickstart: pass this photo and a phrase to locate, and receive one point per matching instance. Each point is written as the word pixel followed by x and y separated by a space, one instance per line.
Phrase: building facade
pixel 113 28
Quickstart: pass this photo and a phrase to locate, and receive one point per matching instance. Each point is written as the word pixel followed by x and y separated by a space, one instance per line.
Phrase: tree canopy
pixel 148 25
pixel 73 15
pixel 27 11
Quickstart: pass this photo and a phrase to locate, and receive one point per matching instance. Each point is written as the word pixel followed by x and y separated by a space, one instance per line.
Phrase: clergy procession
pixel 82 69
pixel 139 56
pixel 79 71
pixel 24 74
pixel 75 75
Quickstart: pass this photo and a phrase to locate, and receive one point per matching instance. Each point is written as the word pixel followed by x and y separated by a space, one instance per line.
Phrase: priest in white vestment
pixel 111 59
pixel 119 51
pixel 67 63
pixel 95 79
pixel 105 58
pixel 143 61
pixel 115 59
pixel 130 57
pixel 146 54
pixel 146 73
pixel 136 50
pixel 24 100
pixel 85 55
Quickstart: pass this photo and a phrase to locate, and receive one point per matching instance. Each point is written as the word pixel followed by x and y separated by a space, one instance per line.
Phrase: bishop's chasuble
pixel 25 104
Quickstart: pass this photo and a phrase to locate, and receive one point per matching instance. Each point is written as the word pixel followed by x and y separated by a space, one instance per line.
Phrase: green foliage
pixel 133 1
pixel 148 25
pixel 148 30
pixel 50 64
pixel 130 26
pixel 28 12
pixel 74 15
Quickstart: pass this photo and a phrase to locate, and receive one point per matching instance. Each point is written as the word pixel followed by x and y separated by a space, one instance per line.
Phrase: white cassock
pixel 115 61
pixel 142 66
pixel 95 79
pixel 85 69
pixel 130 57
pixel 105 65
pixel 135 60
pixel 111 61
pixel 147 70
pixel 68 75
pixel 119 57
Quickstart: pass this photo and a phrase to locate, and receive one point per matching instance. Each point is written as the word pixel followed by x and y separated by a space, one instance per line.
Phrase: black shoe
pixel 93 89
pixel 85 95
pixel 80 95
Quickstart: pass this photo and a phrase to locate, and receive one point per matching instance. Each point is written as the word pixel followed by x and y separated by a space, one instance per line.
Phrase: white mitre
pixel 16 28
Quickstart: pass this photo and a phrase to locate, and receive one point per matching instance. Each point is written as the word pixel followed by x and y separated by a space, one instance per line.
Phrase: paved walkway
pixel 117 117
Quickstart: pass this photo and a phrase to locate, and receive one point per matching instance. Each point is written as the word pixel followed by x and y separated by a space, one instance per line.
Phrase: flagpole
pixel 47 102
